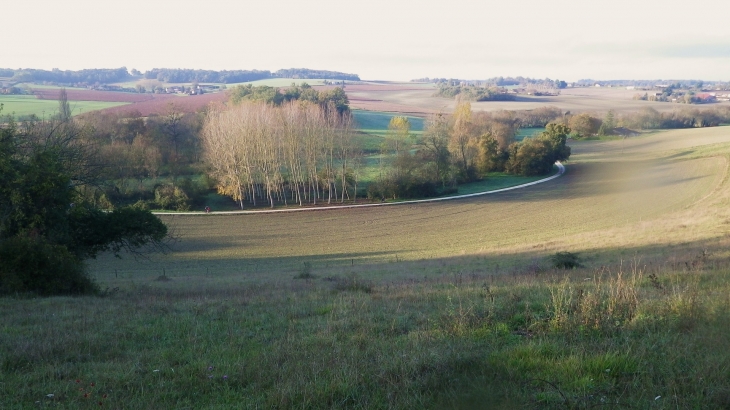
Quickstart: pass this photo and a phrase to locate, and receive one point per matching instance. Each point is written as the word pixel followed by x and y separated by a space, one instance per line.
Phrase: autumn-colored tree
pixel 398 135
pixel 584 125
pixel 463 143
pixel 434 146
pixel 298 152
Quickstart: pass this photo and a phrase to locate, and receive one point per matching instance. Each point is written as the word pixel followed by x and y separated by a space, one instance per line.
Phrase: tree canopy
pixel 47 228
pixel 335 97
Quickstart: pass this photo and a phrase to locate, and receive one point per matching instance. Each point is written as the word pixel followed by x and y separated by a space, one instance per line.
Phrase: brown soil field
pixel 160 106
pixel 658 192
pixel 410 99
pixel 93 95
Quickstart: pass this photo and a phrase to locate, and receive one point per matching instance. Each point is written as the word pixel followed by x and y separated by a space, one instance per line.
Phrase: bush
pixel 565 260
pixel 305 272
pixel 31 265
pixel 171 196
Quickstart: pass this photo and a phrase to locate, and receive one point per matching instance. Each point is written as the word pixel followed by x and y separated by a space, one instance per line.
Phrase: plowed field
pixel 662 191
pixel 161 106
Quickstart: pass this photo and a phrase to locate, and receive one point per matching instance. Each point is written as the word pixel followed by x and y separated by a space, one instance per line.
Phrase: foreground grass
pixel 632 336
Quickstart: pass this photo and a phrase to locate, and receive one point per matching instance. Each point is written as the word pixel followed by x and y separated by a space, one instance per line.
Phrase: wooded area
pixel 299 152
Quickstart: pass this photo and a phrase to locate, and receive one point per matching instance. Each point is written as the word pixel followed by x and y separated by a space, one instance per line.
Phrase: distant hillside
pixel 88 76
pixel 183 75
pixel 323 74
pixel 169 75
pixel 178 75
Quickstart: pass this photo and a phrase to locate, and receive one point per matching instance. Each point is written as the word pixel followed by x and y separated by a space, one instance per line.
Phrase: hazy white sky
pixel 378 39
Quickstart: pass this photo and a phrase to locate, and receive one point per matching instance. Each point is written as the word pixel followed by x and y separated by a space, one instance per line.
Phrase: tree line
pixel 135 149
pixel 48 226
pixel 88 76
pixel 297 152
pixel 271 95
pixel 179 75
pixel 587 125
pixel 498 82
pixel 169 75
pixel 463 147
pixel 473 93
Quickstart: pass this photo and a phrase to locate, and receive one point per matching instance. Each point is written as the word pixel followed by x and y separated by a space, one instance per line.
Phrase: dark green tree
pixel 46 228
pixel 536 156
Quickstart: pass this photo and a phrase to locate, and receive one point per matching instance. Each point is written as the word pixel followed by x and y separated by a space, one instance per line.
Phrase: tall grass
pixel 618 336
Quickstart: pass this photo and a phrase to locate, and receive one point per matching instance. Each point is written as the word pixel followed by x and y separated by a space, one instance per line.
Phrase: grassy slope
pixel 440 305
pixel 372 127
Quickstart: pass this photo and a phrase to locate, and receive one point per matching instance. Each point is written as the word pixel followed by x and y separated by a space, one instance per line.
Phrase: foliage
pixel 87 76
pixel 34 265
pixel 492 158
pixel 129 229
pixel 271 95
pixel 178 75
pixel 473 93
pixel 539 117
pixel 172 197
pixel 45 225
pixel 433 149
pixel 584 125
pixel 308 73
pixel 536 156
pixel 565 260
pixel 298 150
pixel 398 135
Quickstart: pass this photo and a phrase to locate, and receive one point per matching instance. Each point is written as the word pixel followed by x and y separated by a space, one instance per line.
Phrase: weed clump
pixel 305 272
pixel 565 260
pixel 352 283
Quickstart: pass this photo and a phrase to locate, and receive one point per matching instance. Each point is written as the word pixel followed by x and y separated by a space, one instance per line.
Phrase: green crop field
pixel 436 305
pixel 24 105
pixel 527 132
pixel 378 121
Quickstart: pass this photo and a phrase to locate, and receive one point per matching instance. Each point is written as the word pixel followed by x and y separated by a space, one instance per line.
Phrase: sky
pixel 378 39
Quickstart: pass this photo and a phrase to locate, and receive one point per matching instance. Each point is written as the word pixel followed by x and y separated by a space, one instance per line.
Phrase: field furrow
pixel 601 192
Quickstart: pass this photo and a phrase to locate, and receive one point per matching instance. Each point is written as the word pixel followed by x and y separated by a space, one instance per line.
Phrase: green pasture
pixel 528 132
pixel 24 105
pixel 377 121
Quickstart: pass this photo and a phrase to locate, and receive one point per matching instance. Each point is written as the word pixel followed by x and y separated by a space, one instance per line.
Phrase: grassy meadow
pixel 24 105
pixel 436 305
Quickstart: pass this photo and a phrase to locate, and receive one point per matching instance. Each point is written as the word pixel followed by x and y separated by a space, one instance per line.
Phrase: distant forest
pixel 170 75
pixel 495 82
pixel 546 82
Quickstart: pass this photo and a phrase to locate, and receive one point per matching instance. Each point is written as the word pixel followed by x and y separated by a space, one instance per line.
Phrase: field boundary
pixel 561 171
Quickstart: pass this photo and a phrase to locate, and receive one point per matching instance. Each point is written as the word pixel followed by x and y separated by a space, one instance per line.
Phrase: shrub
pixel 305 272
pixel 565 260
pixel 31 265
pixel 171 196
